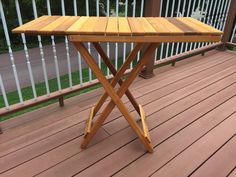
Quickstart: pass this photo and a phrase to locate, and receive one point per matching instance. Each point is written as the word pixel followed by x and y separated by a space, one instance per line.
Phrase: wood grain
pixel 75 27
pixel 112 26
pixel 88 26
pixel 63 27
pixel 22 28
pixel 100 26
pixel 56 23
pixel 131 29
pixel 124 28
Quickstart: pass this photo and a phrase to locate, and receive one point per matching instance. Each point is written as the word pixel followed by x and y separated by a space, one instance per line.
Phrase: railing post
pixel 230 21
pixel 61 101
pixel 152 9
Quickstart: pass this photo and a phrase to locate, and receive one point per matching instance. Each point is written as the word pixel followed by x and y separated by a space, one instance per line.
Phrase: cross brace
pixel 116 96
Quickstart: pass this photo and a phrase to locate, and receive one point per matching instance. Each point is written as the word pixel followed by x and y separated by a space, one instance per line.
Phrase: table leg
pixel 117 75
pixel 116 96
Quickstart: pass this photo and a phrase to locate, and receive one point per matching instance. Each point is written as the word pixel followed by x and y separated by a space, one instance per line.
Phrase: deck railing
pixel 212 12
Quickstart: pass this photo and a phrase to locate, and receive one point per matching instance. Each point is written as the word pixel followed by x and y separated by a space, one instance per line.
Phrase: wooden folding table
pixel 150 31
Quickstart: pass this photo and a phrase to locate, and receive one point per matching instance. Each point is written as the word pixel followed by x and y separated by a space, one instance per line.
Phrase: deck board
pixel 221 160
pixel 232 173
pixel 185 106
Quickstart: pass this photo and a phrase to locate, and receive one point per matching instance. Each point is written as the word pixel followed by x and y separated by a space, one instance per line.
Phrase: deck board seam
pixel 231 171
pixel 120 130
pixel 151 129
pixel 217 150
pixel 178 132
pixel 195 140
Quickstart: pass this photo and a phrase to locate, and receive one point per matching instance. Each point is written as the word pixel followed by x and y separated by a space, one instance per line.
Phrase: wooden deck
pixel 191 115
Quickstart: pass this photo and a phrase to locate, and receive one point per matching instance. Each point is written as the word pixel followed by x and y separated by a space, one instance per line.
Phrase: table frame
pixel 92 128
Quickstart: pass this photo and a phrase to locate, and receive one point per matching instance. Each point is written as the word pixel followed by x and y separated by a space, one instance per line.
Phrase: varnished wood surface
pixel 190 116
pixel 124 27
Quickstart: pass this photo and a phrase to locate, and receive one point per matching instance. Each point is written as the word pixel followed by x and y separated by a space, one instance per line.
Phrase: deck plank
pixel 61 169
pixel 182 105
pixel 197 153
pixel 233 173
pixel 222 161
pixel 170 148
pixel 160 117
pixel 71 123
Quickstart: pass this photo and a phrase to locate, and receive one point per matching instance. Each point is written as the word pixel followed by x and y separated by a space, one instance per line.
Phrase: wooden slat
pixel 88 26
pixel 73 29
pixel 101 25
pixel 135 27
pixel 35 29
pixel 163 26
pixel 124 28
pixel 185 28
pixel 209 28
pixel 63 27
pixel 194 26
pixel 21 29
pixel 56 23
pixel 112 26
pixel 159 27
pixel 140 26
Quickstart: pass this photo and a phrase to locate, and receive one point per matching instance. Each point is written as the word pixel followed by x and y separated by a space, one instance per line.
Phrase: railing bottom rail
pixel 191 53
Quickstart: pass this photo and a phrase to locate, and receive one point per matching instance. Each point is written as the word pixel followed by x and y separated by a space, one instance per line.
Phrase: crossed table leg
pixel 91 129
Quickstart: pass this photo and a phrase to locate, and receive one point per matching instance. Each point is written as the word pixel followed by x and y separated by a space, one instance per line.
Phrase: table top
pixel 123 29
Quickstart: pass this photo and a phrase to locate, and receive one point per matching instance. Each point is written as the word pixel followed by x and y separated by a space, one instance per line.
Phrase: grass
pixel 40 89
